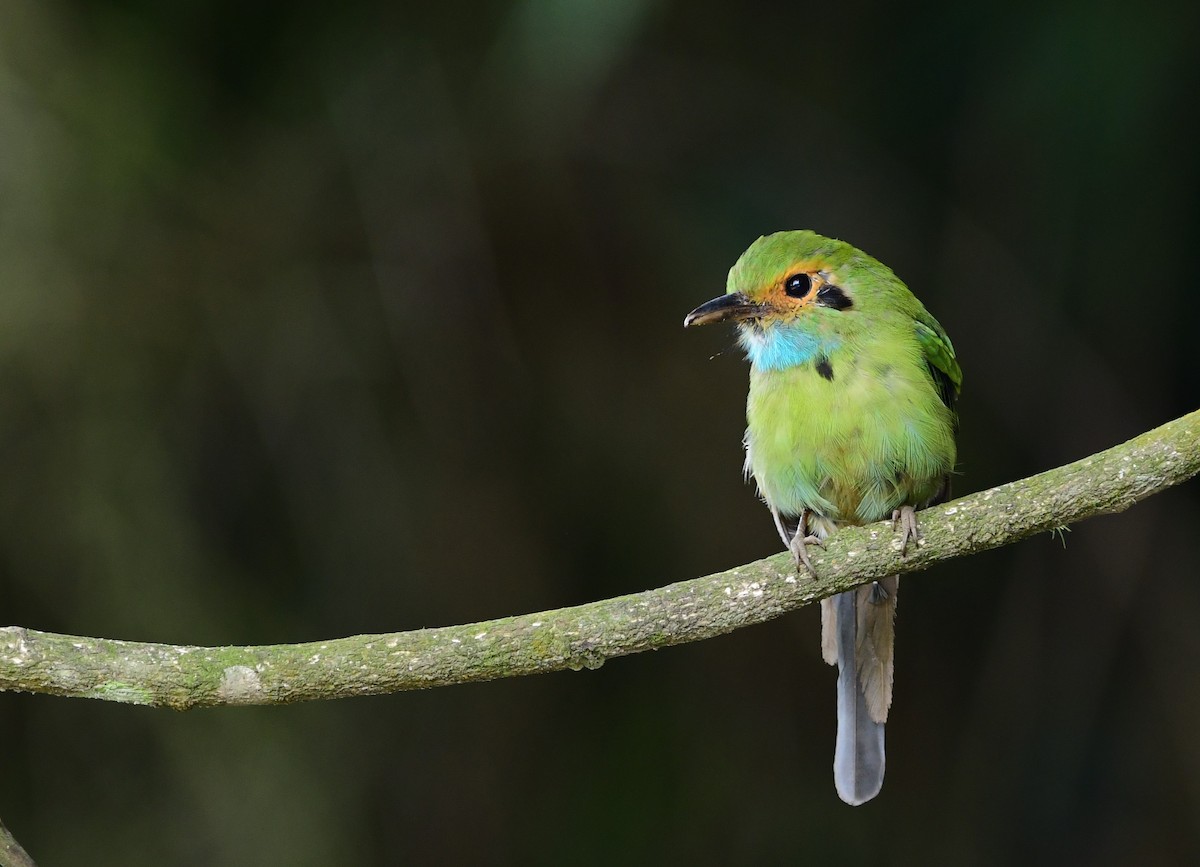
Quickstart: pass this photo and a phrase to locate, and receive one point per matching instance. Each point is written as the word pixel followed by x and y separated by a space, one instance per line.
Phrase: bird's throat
pixel 775 347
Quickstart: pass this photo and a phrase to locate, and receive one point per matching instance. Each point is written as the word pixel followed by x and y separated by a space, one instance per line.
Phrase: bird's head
pixel 782 279
pixel 793 295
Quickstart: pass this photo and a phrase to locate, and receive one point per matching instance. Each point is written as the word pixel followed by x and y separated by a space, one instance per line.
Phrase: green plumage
pixel 850 420
pixel 876 434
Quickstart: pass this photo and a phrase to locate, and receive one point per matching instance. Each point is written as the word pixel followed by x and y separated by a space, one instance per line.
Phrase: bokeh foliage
pixel 318 319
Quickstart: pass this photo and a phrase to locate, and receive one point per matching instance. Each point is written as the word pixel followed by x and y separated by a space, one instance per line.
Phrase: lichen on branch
pixel 584 636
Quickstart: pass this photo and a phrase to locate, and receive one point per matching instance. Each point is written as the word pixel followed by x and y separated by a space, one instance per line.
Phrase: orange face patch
pixel 797 288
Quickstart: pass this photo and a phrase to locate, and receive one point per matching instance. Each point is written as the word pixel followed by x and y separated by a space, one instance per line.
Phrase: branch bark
pixel 584 636
pixel 11 853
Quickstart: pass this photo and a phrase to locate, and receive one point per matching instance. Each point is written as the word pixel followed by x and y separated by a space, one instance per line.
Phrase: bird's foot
pixel 906 518
pixel 799 548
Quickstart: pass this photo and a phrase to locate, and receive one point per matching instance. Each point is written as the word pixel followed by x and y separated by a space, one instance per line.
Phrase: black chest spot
pixel 824 368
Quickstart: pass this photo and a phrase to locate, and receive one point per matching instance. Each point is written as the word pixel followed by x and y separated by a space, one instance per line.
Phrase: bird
pixel 850 420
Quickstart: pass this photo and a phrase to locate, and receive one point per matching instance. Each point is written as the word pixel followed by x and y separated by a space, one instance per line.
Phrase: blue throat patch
pixel 778 346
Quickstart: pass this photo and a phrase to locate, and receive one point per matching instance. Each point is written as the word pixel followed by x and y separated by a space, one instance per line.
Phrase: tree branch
pixel 585 636
pixel 11 853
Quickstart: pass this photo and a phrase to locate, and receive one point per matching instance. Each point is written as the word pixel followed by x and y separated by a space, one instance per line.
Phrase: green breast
pixel 853 435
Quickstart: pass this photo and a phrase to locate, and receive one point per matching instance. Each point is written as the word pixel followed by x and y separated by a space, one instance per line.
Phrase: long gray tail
pixel 858 631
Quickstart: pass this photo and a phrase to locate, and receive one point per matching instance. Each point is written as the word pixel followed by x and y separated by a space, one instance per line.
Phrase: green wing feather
pixel 939 355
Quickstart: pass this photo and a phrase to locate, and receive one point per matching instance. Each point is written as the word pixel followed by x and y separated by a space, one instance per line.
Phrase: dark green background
pixel 319 319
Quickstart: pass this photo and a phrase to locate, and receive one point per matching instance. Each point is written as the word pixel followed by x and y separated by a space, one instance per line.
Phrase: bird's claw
pixel 799 548
pixel 906 517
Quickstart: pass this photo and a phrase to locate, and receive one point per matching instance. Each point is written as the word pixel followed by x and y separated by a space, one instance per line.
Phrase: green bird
pixel 850 420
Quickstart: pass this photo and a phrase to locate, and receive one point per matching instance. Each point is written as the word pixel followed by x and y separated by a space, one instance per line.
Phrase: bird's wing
pixel 939 355
pixel 946 376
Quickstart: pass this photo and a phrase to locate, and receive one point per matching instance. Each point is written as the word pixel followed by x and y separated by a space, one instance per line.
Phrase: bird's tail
pixel 857 634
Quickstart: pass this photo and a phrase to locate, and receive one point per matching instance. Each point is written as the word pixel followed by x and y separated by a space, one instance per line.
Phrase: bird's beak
pixel 732 306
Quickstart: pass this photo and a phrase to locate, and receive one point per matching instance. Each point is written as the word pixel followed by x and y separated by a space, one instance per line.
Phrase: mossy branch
pixel 584 636
pixel 11 853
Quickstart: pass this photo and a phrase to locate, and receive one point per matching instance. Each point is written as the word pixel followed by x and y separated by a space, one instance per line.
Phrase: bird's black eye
pixel 797 285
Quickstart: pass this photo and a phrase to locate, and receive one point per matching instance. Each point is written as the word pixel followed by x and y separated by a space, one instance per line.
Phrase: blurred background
pixel 320 319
